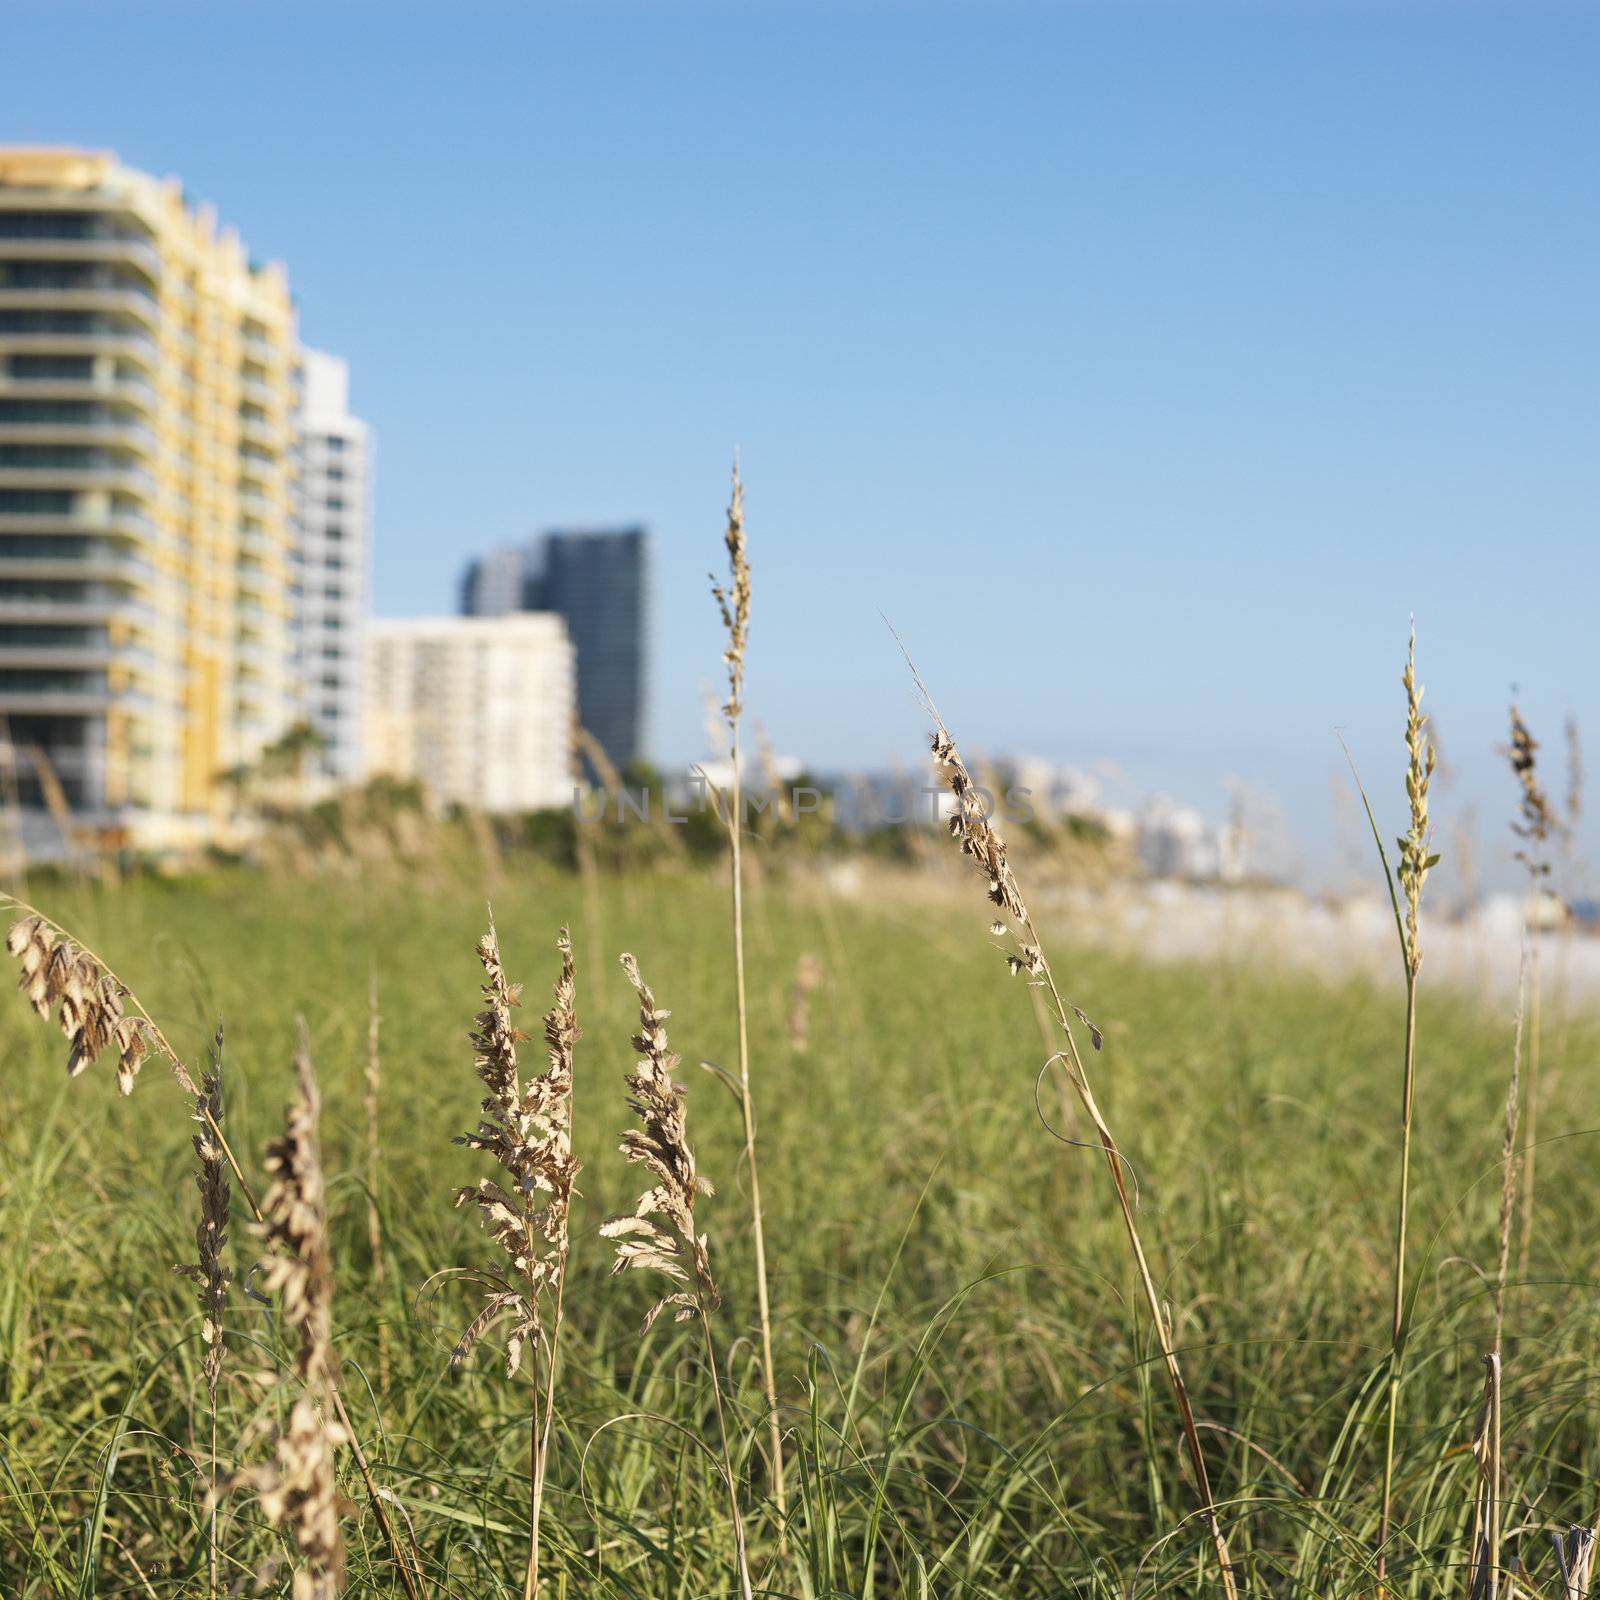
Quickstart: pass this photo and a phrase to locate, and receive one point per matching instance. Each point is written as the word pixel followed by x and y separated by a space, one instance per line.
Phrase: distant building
pixel 496 584
pixel 599 582
pixel 1052 791
pixel 479 710
pixel 1175 841
pixel 145 470
pixel 333 521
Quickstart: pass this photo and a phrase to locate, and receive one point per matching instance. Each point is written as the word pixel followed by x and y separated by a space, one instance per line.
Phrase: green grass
pixel 972 1407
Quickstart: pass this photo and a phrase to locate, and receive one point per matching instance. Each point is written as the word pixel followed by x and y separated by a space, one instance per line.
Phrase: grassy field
pixel 970 1404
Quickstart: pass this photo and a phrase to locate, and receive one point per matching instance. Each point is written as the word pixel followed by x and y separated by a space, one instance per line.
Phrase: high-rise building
pixel 479 710
pixel 333 522
pixel 496 584
pixel 599 582
pixel 145 462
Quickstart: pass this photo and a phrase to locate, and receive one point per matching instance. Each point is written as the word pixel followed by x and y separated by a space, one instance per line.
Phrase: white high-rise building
pixel 333 515
pixel 479 710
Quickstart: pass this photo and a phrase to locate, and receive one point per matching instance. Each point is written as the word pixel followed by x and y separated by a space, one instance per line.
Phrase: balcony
pixel 137 348
pixel 89 608
pixel 257 580
pixel 261 431
pixel 90 386
pixel 260 350
pixel 133 251
pixel 252 472
pixel 121 524
pixel 48 656
pixel 128 479
pixel 261 394
pixel 258 656
pixel 131 435
pixel 100 561
pixel 123 302
pixel 55 702
pixel 254 542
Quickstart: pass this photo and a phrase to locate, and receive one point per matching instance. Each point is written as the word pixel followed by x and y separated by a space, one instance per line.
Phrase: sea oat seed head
pixel 211 1236
pixel 1415 861
pixel 671 1246
pixel 1537 820
pixel 528 1131
pixel 295 1225
pixel 300 1492
pixel 55 972
pixel 734 602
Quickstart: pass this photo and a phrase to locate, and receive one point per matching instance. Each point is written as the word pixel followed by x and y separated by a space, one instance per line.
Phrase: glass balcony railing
pixel 54 249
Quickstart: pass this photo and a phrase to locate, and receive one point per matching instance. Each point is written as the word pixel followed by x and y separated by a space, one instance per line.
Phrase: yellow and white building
pixel 146 453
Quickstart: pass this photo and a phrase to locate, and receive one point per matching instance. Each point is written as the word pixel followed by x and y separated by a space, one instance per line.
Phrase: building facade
pixel 496 583
pixel 332 560
pixel 145 468
pixel 599 583
pixel 478 710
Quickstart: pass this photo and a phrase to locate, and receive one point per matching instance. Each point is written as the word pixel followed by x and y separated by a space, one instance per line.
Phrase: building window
pixel 336 474
pixel 335 503
pixel 335 443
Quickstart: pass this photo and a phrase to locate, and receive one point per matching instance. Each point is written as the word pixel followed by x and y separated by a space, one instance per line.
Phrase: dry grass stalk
pixel 299 1491
pixel 660 1235
pixel 94 1002
pixel 1486 1514
pixel 373 1086
pixel 982 842
pixel 211 1234
pixel 1415 864
pixel 733 602
pixel 211 1238
pixel 1508 1157
pixel 807 980
pixel 528 1131
pixel 1535 822
pixel 1575 1557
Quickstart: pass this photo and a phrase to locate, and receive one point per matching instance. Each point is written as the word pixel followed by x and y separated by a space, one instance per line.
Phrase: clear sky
pixel 1147 365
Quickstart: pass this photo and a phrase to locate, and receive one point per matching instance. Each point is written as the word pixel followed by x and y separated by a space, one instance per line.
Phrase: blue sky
pixel 1148 366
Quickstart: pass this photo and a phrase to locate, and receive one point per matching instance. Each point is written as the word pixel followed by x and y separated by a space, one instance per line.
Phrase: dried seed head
pixel 300 1492
pixel 734 602
pixel 671 1246
pixel 211 1236
pixel 295 1225
pixel 971 826
pixel 528 1131
pixel 1536 820
pixel 1415 860
pixel 55 972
